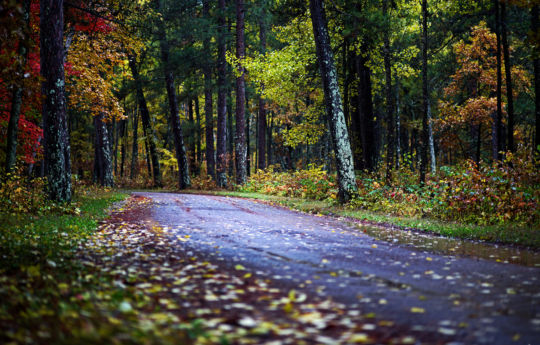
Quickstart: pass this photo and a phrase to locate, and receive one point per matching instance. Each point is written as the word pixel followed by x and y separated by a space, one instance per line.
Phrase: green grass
pixel 507 234
pixel 27 239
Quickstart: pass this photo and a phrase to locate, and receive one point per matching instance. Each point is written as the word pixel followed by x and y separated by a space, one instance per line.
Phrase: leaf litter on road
pixel 165 285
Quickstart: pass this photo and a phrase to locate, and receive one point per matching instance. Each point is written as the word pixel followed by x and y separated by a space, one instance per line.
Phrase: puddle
pixel 450 246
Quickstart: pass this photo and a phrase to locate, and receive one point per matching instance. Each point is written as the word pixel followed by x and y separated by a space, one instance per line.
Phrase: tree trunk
pixel 261 120
pixel 248 146
pixel 425 95
pixel 536 65
pixel 222 101
pixel 145 116
pixel 496 131
pixel 240 142
pixel 508 74
pixel 135 147
pixel 334 108
pixel 55 133
pixel 16 100
pixel 123 137
pixel 269 141
pixel 365 103
pixel 174 119
pixel 191 141
pixel 103 158
pixel 390 120
pixel 208 111
pixel 431 142
pixel 197 167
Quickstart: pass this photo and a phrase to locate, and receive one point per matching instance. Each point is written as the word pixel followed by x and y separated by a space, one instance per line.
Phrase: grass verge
pixel 37 268
pixel 503 234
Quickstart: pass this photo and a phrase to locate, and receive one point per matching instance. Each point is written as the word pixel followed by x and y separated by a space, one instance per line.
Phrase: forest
pixel 410 108
pixel 155 153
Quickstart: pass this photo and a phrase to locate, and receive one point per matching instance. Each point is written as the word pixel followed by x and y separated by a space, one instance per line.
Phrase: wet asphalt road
pixel 474 301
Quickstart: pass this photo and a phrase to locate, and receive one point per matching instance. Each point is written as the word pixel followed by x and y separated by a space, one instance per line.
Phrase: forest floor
pixel 182 268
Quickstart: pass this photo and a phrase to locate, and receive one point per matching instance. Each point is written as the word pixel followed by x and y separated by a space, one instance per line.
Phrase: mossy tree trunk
pixel 334 109
pixel 103 168
pixel 55 133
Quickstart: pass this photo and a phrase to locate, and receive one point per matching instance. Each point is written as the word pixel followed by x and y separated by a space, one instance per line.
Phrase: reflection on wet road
pixel 423 282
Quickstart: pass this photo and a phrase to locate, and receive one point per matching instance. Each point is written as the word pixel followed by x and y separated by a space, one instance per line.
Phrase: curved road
pixel 473 301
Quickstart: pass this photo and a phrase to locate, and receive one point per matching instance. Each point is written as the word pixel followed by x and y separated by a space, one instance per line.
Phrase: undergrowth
pixel 504 193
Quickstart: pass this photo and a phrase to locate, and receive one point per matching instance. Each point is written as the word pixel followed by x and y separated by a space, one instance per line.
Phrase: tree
pixel 261 120
pixel 103 169
pixel 56 140
pixel 16 101
pixel 222 100
pixel 425 95
pixel 390 120
pixel 536 69
pixel 145 116
pixel 508 71
pixel 240 139
pixel 174 120
pixel 332 98
pixel 208 110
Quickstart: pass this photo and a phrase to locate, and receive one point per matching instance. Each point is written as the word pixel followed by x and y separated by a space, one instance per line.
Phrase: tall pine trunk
pixel 222 100
pixel 365 103
pixel 174 119
pixel 425 96
pixel 508 74
pixel 390 120
pixel 496 131
pixel 16 100
pixel 536 65
pixel 55 133
pixel 334 107
pixel 240 142
pixel 103 168
pixel 198 156
pixel 261 120
pixel 208 111
pixel 145 116
pixel 135 146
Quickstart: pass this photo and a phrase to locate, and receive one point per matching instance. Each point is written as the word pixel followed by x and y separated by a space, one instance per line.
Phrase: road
pixel 472 300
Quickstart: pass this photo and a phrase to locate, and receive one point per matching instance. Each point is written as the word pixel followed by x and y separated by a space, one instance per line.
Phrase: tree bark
pixel 198 156
pixel 145 116
pixel 334 109
pixel 536 66
pixel 433 158
pixel 103 159
pixel 192 137
pixel 390 120
pixel 135 147
pixel 222 100
pixel 425 96
pixel 16 100
pixel 261 121
pixel 365 103
pixel 496 131
pixel 174 119
pixel 55 133
pixel 508 74
pixel 240 142
pixel 208 111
